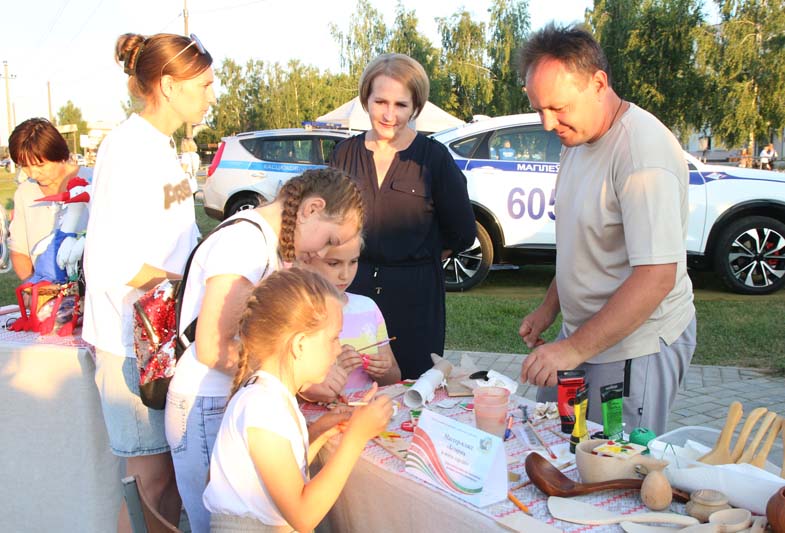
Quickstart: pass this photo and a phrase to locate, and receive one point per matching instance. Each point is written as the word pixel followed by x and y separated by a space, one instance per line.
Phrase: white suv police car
pixel 736 221
pixel 249 168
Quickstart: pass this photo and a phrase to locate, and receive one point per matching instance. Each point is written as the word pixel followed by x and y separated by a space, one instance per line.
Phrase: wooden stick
pixel 542 442
pixel 518 503
pixel 380 343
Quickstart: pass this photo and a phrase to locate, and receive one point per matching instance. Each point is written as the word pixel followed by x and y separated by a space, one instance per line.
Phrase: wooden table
pixel 58 471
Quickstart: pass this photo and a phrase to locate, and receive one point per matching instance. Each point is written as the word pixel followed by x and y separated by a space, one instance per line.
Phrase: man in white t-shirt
pixel 621 281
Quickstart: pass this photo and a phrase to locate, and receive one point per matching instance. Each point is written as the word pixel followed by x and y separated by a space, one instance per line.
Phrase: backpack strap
pixel 189 333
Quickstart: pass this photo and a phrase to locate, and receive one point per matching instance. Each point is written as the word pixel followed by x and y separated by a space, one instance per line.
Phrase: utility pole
pixel 188 126
pixel 8 96
pixel 49 99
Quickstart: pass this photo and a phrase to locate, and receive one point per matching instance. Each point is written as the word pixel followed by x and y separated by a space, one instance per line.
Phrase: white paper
pixel 423 389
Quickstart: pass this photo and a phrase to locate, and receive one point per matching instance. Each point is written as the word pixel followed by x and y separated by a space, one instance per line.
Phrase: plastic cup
pixel 490 409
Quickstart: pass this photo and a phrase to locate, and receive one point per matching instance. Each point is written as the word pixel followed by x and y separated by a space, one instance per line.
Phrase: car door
pixel 280 158
pixel 512 173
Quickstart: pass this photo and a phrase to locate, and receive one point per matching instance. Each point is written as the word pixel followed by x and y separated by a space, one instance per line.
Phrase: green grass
pixel 733 329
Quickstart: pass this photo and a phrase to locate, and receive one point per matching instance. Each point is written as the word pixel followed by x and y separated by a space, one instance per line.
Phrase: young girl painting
pixel 259 467
pixel 363 325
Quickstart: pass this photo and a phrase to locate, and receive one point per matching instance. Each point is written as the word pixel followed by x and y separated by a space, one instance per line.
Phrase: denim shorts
pixel 192 424
pixel 134 429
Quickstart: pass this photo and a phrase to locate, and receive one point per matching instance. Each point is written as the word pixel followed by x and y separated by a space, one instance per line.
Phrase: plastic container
pixel 490 409
pixel 746 486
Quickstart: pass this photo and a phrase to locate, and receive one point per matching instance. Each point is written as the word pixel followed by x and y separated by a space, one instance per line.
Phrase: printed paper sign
pixel 461 459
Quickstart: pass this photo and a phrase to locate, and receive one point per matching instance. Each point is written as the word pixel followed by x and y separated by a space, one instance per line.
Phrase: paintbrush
pixel 380 343
pixel 540 439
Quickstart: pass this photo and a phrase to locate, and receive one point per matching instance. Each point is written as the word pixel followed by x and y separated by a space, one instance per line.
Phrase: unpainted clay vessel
pixel 656 491
pixel 596 468
pixel 775 511
pixel 704 502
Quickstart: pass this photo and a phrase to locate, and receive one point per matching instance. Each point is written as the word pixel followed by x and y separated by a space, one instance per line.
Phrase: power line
pixel 226 8
pixel 54 21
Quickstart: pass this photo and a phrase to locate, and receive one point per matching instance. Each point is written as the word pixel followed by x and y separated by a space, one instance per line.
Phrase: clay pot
pixel 704 502
pixel 775 511
pixel 596 468
pixel 731 520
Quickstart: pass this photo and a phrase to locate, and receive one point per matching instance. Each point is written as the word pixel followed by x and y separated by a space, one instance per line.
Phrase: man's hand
pixel 539 368
pixel 534 324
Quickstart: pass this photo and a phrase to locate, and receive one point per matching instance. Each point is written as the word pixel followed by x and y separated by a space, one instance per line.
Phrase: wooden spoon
pixel 752 419
pixel 579 512
pixel 720 454
pixel 751 451
pixel 552 482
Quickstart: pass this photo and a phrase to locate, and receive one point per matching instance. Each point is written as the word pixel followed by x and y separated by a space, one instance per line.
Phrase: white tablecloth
pixel 58 471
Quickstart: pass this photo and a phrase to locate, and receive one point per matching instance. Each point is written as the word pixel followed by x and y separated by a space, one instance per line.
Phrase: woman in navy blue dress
pixel 417 210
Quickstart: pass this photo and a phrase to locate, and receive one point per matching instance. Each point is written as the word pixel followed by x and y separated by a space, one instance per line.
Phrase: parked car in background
pixel 249 168
pixel 736 221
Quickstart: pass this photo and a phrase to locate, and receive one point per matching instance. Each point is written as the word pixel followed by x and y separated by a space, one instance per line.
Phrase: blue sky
pixel 70 43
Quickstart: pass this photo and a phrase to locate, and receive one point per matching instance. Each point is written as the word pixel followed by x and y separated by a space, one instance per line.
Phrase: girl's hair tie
pixel 129 65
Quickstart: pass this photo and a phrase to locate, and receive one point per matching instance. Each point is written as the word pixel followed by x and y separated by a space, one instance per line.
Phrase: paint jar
pixel 490 409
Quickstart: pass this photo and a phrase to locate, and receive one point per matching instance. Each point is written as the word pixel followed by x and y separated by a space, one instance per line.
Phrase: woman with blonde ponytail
pixel 141 231
pixel 314 211
pixel 259 467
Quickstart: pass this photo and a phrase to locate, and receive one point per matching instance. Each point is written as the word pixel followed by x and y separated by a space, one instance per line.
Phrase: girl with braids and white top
pixel 141 231
pixel 312 212
pixel 259 469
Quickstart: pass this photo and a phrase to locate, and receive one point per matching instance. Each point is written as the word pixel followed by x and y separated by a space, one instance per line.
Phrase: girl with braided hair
pixel 141 230
pixel 259 469
pixel 312 212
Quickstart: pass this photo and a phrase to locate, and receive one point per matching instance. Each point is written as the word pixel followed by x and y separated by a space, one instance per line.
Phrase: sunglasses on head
pixel 194 42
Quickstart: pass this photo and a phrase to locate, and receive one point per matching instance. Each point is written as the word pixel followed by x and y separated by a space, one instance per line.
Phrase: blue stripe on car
pixel 265 165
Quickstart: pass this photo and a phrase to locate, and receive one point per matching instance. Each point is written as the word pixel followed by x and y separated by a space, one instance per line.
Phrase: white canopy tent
pixel 351 115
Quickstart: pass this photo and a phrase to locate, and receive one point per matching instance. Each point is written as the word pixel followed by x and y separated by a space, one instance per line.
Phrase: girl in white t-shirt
pixel 311 213
pixel 259 466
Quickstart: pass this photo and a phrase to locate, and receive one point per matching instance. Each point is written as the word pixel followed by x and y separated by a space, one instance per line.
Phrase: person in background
pixel 363 325
pixel 259 467
pixel 141 231
pixel 621 281
pixel 189 159
pixel 312 212
pixel 417 210
pixel 767 157
pixel 42 153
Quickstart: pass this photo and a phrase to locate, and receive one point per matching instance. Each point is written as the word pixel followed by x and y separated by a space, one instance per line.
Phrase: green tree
pixel 509 24
pixel 612 22
pixel 464 58
pixel 69 114
pixel 660 63
pixel 405 38
pixel 240 107
pixel 745 56
pixel 365 39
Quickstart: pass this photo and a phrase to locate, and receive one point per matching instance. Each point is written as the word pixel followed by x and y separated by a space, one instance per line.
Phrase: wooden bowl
pixel 731 520
pixel 775 511
pixel 597 468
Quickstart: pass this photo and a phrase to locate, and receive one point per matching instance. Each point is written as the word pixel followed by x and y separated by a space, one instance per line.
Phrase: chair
pixel 144 517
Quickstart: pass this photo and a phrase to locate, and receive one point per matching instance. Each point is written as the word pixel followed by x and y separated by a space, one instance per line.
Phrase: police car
pixel 736 221
pixel 249 168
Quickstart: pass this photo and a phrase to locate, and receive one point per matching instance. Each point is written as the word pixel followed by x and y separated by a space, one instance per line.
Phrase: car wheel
pixel 243 202
pixel 469 268
pixel 750 255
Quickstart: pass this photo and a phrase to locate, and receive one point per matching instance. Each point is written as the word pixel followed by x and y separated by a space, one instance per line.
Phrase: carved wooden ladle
pixel 552 482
